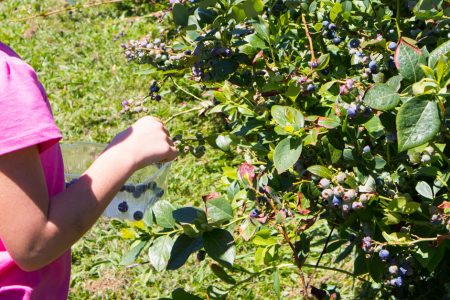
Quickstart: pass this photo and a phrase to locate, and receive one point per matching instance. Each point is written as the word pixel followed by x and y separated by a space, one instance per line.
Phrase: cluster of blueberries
pixel 423 157
pixel 329 32
pixel 207 58
pixel 306 84
pixel 138 190
pixel 339 197
pixel 397 272
pixel 154 52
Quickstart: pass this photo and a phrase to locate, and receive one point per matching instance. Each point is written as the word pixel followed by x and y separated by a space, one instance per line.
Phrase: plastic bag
pixel 141 191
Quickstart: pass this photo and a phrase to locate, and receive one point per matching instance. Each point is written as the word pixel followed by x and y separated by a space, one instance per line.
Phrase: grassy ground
pixel 79 60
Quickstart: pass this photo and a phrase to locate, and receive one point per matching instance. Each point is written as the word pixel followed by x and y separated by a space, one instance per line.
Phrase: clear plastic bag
pixel 141 191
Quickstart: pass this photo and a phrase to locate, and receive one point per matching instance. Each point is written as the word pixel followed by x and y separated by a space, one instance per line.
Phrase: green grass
pixel 87 77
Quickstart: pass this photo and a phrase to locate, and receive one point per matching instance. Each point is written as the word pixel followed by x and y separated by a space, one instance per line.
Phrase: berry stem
pixel 311 47
pixel 186 92
pixel 397 17
pixel 182 113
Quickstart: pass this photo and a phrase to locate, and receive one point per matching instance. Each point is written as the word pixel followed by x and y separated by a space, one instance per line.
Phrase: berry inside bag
pixel 144 188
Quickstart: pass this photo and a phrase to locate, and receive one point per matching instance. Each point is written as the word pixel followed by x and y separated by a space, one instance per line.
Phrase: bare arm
pixel 36 230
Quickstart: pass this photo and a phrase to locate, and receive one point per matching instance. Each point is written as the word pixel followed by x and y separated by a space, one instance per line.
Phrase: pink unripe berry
pixel 327 194
pixel 349 195
pixel 340 177
pixel 338 191
pixel 324 183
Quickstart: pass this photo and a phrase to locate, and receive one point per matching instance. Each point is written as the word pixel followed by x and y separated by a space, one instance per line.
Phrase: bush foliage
pixel 338 111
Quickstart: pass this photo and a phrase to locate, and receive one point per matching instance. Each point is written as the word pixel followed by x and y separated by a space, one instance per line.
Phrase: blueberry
pixel 356 205
pixel 352 111
pixel 314 64
pixel 354 43
pixel 158 98
pixel 373 66
pixel 327 193
pixel 188 52
pixel 325 71
pixel 384 254
pixel 201 255
pixel 345 208
pixel 254 213
pixel 159 192
pixel 337 40
pixel 425 158
pixel 349 195
pixel 392 46
pixel 332 27
pixel 343 90
pixel 310 87
pixel 136 193
pixel 125 103
pixel 338 191
pixel 366 149
pixel 391 62
pixel 349 83
pixel 336 201
pixel 367 243
pixel 340 177
pixel 138 215
pixel 154 88
pixel 397 281
pixel 325 23
pixel 123 206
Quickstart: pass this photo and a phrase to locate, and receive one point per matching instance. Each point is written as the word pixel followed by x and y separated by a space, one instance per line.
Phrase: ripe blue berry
pixel 310 88
pixel 397 281
pixel 188 52
pixel 254 213
pixel 138 215
pixel 332 27
pixel 154 87
pixel 354 43
pixel 373 66
pixel 336 201
pixel 352 111
pixel 314 64
pixel 392 46
pixel 325 23
pixel 158 97
pixel 384 254
pixel 366 149
pixel 201 255
pixel 123 207
pixel 337 40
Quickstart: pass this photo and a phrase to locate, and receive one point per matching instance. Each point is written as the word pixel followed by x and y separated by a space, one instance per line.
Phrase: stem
pixel 57 11
pixel 186 92
pixel 321 254
pixel 397 17
pixel 182 113
pixel 311 47
pixel 436 148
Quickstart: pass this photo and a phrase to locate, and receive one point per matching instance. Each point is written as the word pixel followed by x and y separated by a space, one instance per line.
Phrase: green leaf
pixel 219 210
pixel 395 82
pixel 133 253
pixel 417 123
pixel 403 205
pixel 286 153
pixel 382 97
pixel 442 49
pixel 182 248
pixel 163 214
pixel 322 62
pixel 407 60
pixel 220 272
pixel 215 293
pixel 159 252
pixel 288 116
pixel 335 11
pixel 320 171
pixel 189 215
pixel 424 189
pixel 219 244
pixel 181 294
pixel 180 14
pixel 276 283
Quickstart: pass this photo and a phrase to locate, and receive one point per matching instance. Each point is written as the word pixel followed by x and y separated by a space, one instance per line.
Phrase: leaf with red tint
pixel 247 172
pixel 211 196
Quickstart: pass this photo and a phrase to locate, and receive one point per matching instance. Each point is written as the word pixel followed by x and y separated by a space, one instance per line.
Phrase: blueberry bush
pixel 336 111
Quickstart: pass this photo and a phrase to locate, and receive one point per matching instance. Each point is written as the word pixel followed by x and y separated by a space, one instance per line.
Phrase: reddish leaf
pixel 211 196
pixel 247 172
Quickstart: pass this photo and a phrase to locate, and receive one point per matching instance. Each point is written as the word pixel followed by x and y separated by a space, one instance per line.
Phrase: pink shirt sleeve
pixel 25 114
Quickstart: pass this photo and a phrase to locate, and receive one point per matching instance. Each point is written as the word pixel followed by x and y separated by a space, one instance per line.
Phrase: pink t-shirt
pixel 25 120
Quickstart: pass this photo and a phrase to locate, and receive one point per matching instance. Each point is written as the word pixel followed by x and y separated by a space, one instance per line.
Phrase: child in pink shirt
pixel 39 219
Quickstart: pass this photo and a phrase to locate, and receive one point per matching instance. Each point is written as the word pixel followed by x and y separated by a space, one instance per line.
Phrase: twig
pixel 186 92
pixel 320 256
pixel 57 11
pixel 182 113
pixel 311 47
